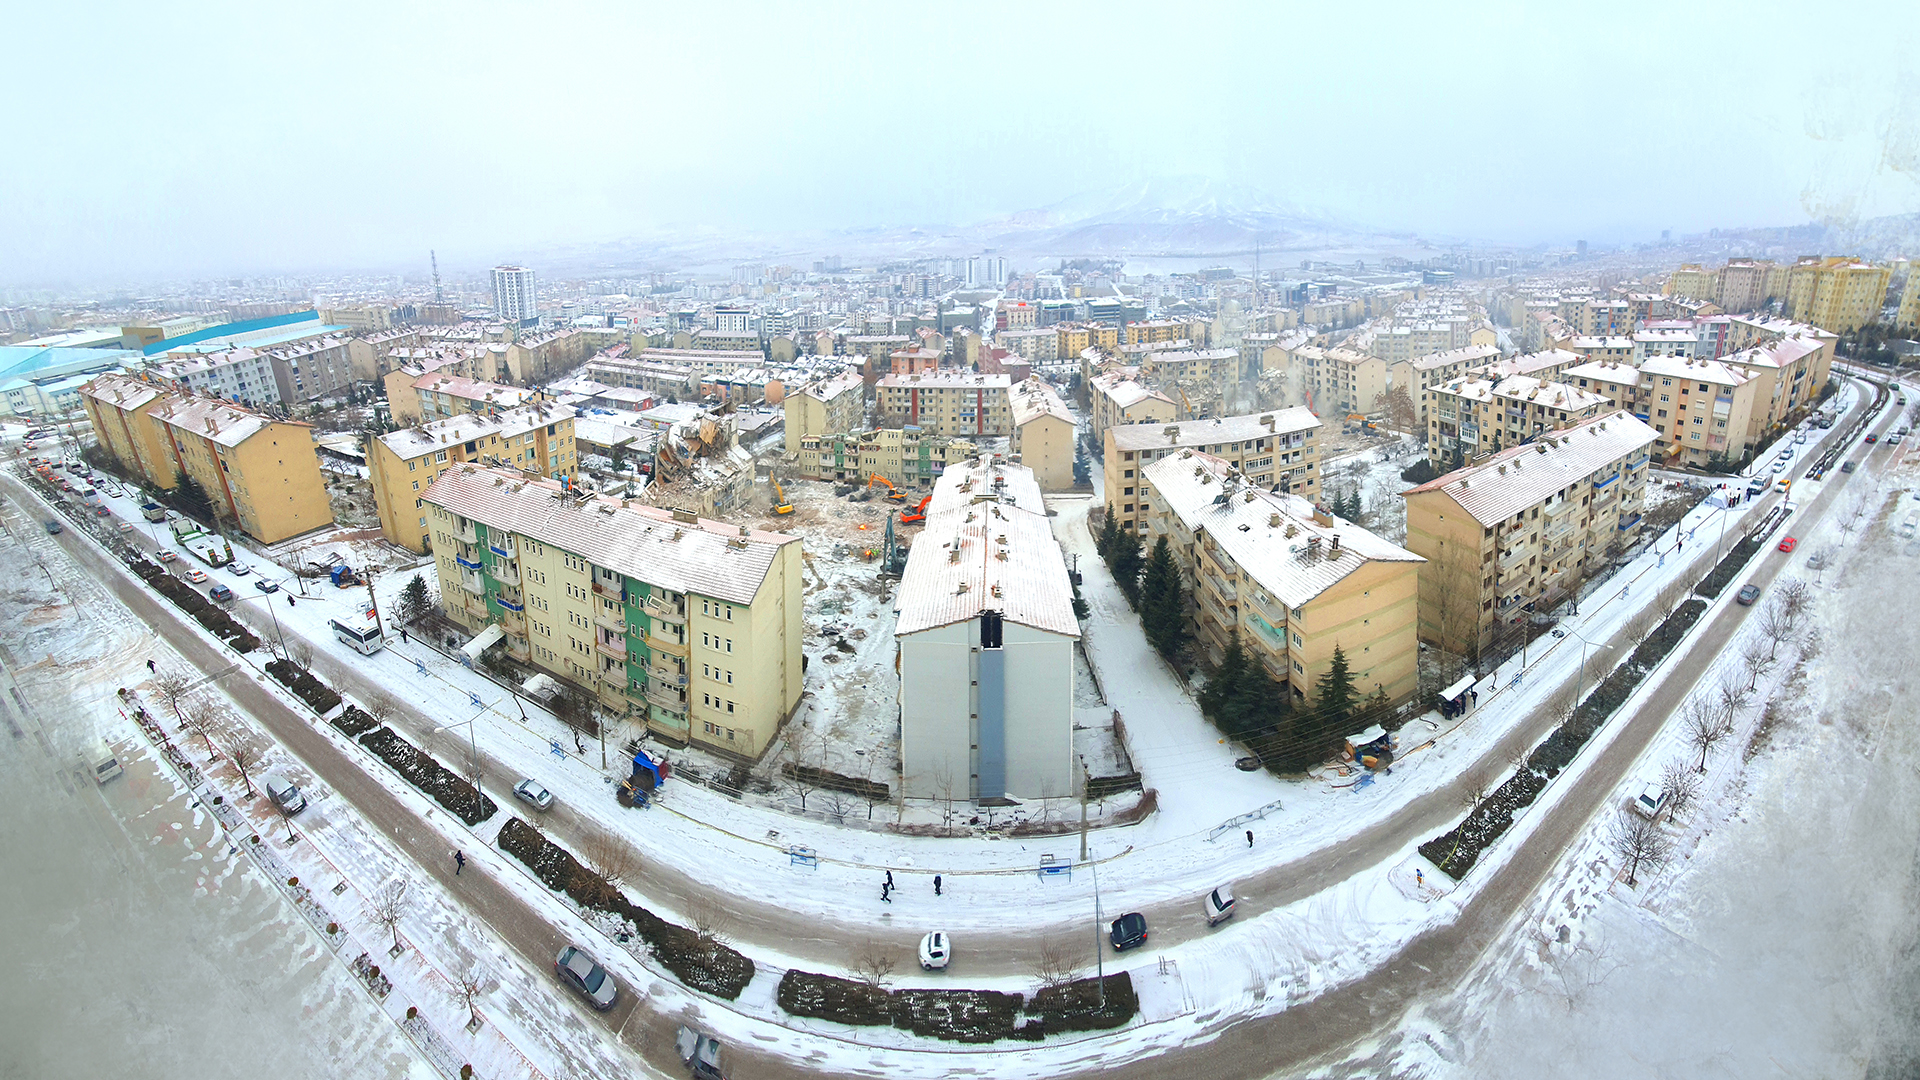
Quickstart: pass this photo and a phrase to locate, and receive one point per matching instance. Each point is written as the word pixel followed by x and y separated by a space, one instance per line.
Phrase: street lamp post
pixel 271 614
pixel 1099 956
pixel 473 746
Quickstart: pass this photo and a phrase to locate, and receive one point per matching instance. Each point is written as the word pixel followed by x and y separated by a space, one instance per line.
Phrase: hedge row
pixel 318 695
pixel 968 1016
pixel 1735 561
pixel 870 790
pixel 704 965
pixel 354 722
pixel 188 599
pixel 1456 850
pixel 460 798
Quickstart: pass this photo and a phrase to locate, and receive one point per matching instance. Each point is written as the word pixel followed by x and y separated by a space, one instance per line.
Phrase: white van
pixel 283 793
pixel 106 765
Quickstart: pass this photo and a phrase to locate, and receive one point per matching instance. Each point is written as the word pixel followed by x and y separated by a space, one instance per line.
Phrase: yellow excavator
pixel 780 503
pixel 892 492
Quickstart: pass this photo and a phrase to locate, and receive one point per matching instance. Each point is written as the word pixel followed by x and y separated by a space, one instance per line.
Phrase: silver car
pixel 584 973
pixel 530 792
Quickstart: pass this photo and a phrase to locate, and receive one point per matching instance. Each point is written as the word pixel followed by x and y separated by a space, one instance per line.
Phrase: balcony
pixel 474 584
pixel 1270 609
pixel 518 648
pixel 1628 523
pixel 1226 590
pixel 468 564
pixel 513 624
pixel 510 605
pixel 672 700
pixel 463 532
pixel 665 673
pixel 1276 664
pixel 475 606
pixel 503 547
pixel 614 649
pixel 610 621
pixel 1271 636
pixel 505 574
pixel 673 611
pixel 611 591
pixel 673 645
pixel 1514 555
pixel 672 723
pixel 1557 530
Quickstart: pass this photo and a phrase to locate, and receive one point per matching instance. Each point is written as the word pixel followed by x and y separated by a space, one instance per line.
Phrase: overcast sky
pixel 152 140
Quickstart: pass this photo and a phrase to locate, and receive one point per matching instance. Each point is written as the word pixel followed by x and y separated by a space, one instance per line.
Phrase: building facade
pixel 515 295
pixel 1277 450
pixel 823 407
pixel 535 439
pixel 1043 434
pixel 960 404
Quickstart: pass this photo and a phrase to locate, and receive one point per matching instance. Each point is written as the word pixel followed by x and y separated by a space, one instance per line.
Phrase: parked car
pixel 1748 594
pixel 1788 544
pixel 584 973
pixel 1128 931
pixel 53 527
pixel 283 793
pixel 530 792
pixel 1651 800
pixel 266 586
pixel 1800 438
pixel 239 569
pixel 1218 905
pixel 935 951
pixel 220 592
pixel 168 556
pixel 1894 439
pixel 1846 466
pixel 699 1052
pixel 1786 453
pixel 197 577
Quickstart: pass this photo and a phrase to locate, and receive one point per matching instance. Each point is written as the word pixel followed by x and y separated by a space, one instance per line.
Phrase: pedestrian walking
pixel 151 668
pixel 1249 837
pixel 1419 876
pixel 936 884
pixel 459 862
pixel 289 599
pixel 885 889
pixel 403 635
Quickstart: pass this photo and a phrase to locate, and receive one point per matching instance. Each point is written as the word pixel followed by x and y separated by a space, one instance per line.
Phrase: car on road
pixel 935 951
pixel 1218 905
pixel 1873 438
pixel 1846 466
pixel 53 527
pixel 699 1052
pixel 284 793
pixel 584 973
pixel 103 510
pixel 265 586
pixel 220 592
pixel 239 569
pixel 1786 453
pixel 530 792
pixel 1748 594
pixel 1789 544
pixel 168 556
pixel 1779 466
pixel 1894 439
pixel 1800 438
pixel 30 445
pixel 197 577
pixel 1129 931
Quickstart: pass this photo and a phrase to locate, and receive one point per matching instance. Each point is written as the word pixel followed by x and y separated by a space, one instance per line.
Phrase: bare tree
pixel 837 804
pixel 1574 972
pixel 467 988
pixel 1562 705
pixel 300 653
pixel 1639 842
pixel 1794 598
pixel 245 755
pixel 173 690
pixel 1052 964
pixel 1705 727
pixel 1473 790
pixel 388 906
pixel 944 784
pixel 1680 784
pixel 1775 627
pixel 611 863
pixel 872 966
pixel 712 923
pixel 381 706
pixel 1732 697
pixel 1757 659
pixel 197 716
pixel 1670 597
pixel 1641 625
pixel 794 761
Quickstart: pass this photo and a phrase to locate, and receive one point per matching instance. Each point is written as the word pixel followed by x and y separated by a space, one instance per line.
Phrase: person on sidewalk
pixel 403 635
pixel 889 879
pixel 151 668
pixel 884 890
pixel 290 600
pixel 1249 837
pixel 936 884
pixel 459 862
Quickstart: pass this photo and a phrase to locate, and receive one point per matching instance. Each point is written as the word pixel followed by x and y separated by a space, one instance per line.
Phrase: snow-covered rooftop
pixel 1270 536
pixel 1613 371
pixel 1471 354
pixel 710 558
pixel 1033 398
pixel 474 390
pixel 1215 431
pixel 951 377
pixel 987 546
pixel 1125 389
pixel 1679 367
pixel 441 434
pixel 214 419
pixel 123 391
pixel 1521 476
pixel 832 387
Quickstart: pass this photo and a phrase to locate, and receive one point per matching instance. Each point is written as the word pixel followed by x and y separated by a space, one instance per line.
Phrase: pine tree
pixel 1223 686
pixel 191 498
pixel 1109 533
pixel 1335 690
pixel 414 600
pixel 1126 563
pixel 1162 605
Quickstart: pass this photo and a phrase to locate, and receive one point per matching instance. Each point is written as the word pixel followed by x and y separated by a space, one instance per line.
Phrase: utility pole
pixel 373 603
pixel 1099 956
pixel 1083 809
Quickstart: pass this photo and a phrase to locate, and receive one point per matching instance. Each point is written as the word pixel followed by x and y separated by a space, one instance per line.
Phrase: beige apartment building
pixel 1422 372
pixel 1291 580
pixel 261 474
pixel 535 439
pixel 1341 381
pixel 371 355
pixel 1043 431
pixel 1836 293
pixel 690 626
pixel 1702 409
pixel 1276 450
pixel 824 407
pixel 961 404
pixel 909 458
pixel 1525 527
pixel 1473 417
pixel 1909 316
pixel 1206 366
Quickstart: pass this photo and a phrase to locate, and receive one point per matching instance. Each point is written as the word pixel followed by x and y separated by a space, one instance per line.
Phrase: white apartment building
pixel 515 297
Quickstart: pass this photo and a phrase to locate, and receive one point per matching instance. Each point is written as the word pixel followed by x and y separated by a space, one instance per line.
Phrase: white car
pixel 239 569
pixel 1651 800
pixel 1219 905
pixel 530 791
pixel 935 951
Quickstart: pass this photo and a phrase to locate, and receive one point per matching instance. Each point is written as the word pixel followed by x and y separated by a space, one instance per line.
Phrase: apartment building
pixel 913 361
pixel 1547 364
pixel 1620 384
pixel 1748 284
pixel 1197 332
pixel 1472 417
pixel 986 630
pixel 1039 345
pixel 1075 338
pixel 1277 450
pixel 1909 314
pixel 910 459
pixel 1341 380
pixel 244 375
pixel 1292 581
pixel 1702 409
pixel 515 294
pixel 536 439
pixel 1043 434
pixel 1692 280
pixel 118 405
pixel 1664 340
pixel 370 355
pixel 441 395
pixel 532 357
pixel 1422 372
pixel 957 403
pixel 825 406
pixel 1206 366
pixel 664 380
pixel 261 474
pixel 1790 373
pixel 1836 293
pixel 1592 347
pixel 1119 396
pixel 690 626
pixel 1519 531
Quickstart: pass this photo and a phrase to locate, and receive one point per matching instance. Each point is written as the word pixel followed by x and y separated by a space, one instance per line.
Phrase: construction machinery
pixel 893 554
pixel 918 514
pixel 780 503
pixel 894 494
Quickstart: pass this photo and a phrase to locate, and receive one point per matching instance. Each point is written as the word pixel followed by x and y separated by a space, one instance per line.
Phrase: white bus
pixel 360 632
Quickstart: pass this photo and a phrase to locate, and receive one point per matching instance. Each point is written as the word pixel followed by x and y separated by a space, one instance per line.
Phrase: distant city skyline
pixel 236 141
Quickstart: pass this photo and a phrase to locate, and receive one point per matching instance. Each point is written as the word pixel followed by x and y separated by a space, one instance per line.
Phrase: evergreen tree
pixel 1109 533
pixel 1335 691
pixel 1162 603
pixel 1223 686
pixel 191 498
pixel 1126 563
pixel 414 600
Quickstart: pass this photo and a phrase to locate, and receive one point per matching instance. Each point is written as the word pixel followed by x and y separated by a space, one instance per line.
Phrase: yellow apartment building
pixel 1292 581
pixel 1702 409
pixel 1120 397
pixel 825 407
pixel 1836 293
pixel 956 403
pixel 536 439
pixel 259 472
pixel 689 626
pixel 1043 431
pixel 1471 417
pixel 1279 450
pixel 1524 528
pixel 118 405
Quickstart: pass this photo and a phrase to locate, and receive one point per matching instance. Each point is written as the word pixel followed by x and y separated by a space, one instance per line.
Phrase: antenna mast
pixel 438 296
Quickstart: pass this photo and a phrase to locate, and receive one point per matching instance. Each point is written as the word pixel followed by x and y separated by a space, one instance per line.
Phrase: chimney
pixel 1333 551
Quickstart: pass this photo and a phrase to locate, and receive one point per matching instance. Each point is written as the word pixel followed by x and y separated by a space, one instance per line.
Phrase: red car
pixel 1788 543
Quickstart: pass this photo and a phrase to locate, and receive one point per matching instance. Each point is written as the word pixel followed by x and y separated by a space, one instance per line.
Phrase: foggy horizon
pixel 236 141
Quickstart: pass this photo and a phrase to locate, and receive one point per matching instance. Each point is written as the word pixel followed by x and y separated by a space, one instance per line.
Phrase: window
pixel 729 706
pixel 412 465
